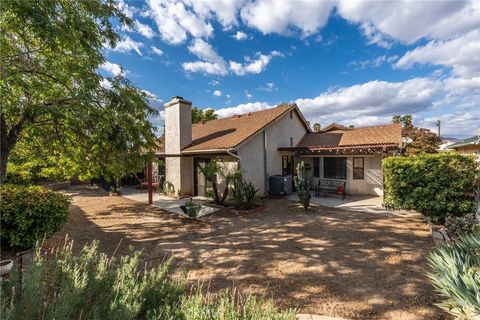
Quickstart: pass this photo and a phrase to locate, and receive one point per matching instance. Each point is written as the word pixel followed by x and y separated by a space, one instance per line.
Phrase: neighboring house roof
pixel 229 133
pixel 335 126
pixel 352 138
pixel 475 140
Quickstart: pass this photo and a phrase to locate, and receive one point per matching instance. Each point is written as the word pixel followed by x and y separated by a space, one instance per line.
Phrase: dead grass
pixel 338 263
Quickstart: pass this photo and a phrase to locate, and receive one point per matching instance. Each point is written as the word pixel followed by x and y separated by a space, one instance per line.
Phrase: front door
pixel 201 184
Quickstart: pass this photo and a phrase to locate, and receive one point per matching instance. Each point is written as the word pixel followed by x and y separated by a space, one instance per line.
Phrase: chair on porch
pixel 157 181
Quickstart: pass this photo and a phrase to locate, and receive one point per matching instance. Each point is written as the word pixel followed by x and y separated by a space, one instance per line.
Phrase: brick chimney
pixel 178 125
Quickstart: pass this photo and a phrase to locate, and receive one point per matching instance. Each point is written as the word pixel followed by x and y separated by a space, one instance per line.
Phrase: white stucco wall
pixel 372 184
pixel 251 161
pixel 277 134
pixel 179 171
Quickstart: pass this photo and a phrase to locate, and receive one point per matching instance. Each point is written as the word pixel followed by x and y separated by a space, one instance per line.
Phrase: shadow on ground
pixel 333 262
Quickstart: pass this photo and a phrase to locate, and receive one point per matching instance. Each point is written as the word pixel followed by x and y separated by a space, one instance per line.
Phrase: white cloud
pixel 285 17
pixel 269 87
pixel 214 83
pixel 248 95
pixel 217 93
pixel 253 66
pixel 377 62
pixel 240 36
pixel 106 84
pixel 461 54
pixel 211 62
pixel 126 45
pixel 224 10
pixel 243 108
pixel 409 21
pixel 157 51
pixel 112 68
pixel 144 29
pixel 175 21
pixel 455 101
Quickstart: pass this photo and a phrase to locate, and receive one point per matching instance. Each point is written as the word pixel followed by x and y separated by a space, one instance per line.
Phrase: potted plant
pixel 190 208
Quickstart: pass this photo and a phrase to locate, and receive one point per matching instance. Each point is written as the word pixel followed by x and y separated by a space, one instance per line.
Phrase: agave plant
pixel 456 276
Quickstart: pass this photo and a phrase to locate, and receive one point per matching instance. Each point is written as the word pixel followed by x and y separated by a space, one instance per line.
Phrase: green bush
pixel 456 276
pixel 243 194
pixel 436 185
pixel 29 214
pixel 90 285
pixel 461 225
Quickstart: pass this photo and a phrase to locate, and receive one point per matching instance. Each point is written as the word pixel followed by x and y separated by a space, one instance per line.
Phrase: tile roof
pixel 228 133
pixel 475 140
pixel 390 134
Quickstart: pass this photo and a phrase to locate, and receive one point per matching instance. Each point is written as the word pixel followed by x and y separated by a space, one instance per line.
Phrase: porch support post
pixel 149 179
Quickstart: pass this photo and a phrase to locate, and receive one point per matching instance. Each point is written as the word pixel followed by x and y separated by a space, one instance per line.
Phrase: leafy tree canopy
pixel 316 127
pixel 423 140
pixel 53 105
pixel 203 115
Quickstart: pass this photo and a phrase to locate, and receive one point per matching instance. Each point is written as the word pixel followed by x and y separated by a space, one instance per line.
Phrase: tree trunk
pixel 8 139
pixel 5 149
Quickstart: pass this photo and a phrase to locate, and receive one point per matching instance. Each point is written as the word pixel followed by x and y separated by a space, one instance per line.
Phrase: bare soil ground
pixel 323 261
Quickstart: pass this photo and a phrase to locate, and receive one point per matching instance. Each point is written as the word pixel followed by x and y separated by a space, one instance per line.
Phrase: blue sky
pixel 355 63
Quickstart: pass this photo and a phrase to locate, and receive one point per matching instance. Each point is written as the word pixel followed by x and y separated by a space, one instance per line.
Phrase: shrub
pixel 461 224
pixel 29 214
pixel 455 276
pixel 168 188
pixel 243 194
pixel 303 186
pixel 92 286
pixel 436 185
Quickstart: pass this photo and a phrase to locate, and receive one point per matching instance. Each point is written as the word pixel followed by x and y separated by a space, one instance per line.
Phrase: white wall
pixel 277 134
pixel 251 161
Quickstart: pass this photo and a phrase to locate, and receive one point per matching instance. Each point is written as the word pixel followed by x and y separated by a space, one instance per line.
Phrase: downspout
pixel 265 177
pixel 229 152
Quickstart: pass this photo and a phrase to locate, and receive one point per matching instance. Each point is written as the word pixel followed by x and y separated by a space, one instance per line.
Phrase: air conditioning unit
pixel 280 185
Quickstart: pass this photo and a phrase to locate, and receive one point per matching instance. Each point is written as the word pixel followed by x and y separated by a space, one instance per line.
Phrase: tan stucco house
pixel 467 146
pixel 271 142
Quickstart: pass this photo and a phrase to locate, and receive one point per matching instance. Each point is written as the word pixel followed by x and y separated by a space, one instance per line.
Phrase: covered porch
pixel 356 168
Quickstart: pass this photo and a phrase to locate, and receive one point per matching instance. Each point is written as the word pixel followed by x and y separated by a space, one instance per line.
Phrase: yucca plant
pixel 456 276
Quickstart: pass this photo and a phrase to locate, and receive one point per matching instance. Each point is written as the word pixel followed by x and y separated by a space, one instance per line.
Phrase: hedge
pixel 436 185
pixel 29 214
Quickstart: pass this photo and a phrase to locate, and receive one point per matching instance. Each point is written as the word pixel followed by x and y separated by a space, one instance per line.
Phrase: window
pixel 291 114
pixel 291 141
pixel 358 168
pixel 316 167
pixel 335 168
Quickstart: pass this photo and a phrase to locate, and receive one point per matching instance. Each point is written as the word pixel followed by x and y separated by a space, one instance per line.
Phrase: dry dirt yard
pixel 323 261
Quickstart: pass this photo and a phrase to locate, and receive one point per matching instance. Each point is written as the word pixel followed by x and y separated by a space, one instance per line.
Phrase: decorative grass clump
pixel 456 276
pixel 89 285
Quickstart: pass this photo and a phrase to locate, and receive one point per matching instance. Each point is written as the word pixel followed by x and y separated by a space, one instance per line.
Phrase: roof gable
pixel 229 133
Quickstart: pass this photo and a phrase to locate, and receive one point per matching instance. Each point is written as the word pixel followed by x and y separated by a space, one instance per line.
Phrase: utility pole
pixel 438 125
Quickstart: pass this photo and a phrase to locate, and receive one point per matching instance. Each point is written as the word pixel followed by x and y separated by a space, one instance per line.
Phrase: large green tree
pixel 51 94
pixel 423 140
pixel 203 115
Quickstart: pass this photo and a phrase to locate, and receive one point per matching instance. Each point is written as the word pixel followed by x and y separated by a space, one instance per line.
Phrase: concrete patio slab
pixel 166 203
pixel 371 204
